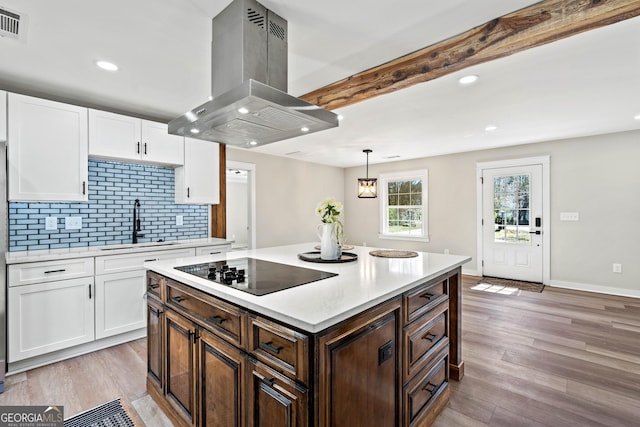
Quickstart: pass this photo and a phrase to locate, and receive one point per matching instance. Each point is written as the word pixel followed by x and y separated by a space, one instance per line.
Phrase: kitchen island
pixel 375 344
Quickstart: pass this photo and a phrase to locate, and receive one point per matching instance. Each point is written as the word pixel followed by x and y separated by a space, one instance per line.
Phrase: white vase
pixel 329 248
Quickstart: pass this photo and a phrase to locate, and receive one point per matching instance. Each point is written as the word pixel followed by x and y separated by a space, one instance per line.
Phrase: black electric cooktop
pixel 255 276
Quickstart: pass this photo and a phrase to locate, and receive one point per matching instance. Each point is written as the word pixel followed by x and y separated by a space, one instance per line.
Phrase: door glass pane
pixel 511 209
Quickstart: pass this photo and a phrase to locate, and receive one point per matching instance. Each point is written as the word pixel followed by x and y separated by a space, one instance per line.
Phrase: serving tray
pixel 314 256
pixel 393 254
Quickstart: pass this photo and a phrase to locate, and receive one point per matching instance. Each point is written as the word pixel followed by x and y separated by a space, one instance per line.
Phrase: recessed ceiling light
pixel 304 129
pixel 491 128
pixel 637 117
pixel 253 143
pixel 194 130
pixel 105 65
pixel 467 80
pixel 243 110
pixel 340 117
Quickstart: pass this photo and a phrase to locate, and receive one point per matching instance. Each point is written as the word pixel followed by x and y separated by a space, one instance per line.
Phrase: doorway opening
pixel 513 208
pixel 241 218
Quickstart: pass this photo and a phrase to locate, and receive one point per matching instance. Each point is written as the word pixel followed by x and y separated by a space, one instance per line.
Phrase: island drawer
pixel 418 301
pixel 221 318
pixel 154 285
pixel 281 348
pixel 425 337
pixel 422 394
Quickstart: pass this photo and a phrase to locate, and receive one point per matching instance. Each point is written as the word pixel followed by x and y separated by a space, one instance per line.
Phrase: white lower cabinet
pixel 120 303
pixel 50 316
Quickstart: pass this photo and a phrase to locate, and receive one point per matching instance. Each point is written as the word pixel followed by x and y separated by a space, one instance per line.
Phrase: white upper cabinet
pixel 198 181
pixel 46 150
pixel 117 137
pixel 3 116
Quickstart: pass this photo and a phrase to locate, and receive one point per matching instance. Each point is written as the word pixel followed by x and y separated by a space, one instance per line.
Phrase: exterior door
pixel 512 222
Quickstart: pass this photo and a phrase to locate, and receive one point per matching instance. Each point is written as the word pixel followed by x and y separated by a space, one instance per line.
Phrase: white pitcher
pixel 329 248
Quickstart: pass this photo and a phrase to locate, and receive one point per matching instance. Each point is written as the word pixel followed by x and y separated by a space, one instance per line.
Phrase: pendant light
pixel 367 187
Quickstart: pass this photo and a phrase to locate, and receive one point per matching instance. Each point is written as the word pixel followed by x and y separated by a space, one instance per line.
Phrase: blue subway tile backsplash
pixel 107 218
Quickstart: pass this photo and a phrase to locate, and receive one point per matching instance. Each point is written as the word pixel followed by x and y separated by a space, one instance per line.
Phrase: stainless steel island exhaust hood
pixel 249 105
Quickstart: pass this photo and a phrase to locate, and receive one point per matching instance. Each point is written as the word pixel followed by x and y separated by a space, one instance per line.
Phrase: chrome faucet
pixel 136 222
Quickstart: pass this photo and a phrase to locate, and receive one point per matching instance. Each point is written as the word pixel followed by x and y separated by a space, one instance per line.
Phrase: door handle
pixel 535 232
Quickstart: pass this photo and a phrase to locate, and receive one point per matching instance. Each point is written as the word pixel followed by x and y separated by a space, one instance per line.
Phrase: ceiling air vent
pixel 12 24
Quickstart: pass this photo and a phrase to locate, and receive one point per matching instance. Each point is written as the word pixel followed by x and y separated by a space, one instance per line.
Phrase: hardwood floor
pixel 556 358
pixel 559 358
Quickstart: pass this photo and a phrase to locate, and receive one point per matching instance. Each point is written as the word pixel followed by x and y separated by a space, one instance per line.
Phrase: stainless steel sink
pixel 138 245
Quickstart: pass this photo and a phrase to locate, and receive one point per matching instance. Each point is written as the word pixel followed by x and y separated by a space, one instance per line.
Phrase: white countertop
pixel 316 306
pixel 89 251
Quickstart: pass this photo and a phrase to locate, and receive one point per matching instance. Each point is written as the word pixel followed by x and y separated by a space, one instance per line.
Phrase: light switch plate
pixel 73 223
pixel 569 216
pixel 179 220
pixel 51 223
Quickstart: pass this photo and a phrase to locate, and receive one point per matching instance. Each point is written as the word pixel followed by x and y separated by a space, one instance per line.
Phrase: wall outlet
pixel 73 223
pixel 617 268
pixel 179 220
pixel 569 216
pixel 51 223
pixel 446 251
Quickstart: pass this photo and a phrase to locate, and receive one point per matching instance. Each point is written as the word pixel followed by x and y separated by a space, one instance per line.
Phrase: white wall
pixel 599 177
pixel 287 193
pixel 237 208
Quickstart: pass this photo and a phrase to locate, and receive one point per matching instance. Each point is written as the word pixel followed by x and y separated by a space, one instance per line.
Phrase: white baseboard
pixel 469 272
pixel 634 293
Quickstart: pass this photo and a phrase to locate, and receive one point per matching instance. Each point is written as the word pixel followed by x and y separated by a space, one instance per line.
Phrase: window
pixel 404 206
pixel 511 209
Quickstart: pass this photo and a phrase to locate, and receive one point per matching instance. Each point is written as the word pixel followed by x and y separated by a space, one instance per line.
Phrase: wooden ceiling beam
pixel 538 24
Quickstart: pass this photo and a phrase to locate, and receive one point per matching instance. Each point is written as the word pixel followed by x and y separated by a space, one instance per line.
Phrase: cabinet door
pixel 159 146
pixel 49 316
pixel 155 318
pixel 3 116
pixel 120 303
pixel 47 150
pixel 360 384
pixel 180 386
pixel 114 136
pixel 198 181
pixel 222 386
pixel 275 400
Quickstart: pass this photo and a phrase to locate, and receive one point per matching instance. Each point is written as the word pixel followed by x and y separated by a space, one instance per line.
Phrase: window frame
pixel 383 192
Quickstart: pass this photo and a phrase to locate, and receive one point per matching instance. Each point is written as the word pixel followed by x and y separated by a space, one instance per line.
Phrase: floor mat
pixel 508 283
pixel 111 414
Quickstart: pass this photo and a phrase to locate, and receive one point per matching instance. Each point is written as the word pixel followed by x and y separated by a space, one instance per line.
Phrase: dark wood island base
pixel 213 363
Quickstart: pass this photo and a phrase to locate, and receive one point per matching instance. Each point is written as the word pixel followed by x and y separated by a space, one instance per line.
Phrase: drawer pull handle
pixel 271 348
pixel 152 259
pixel 431 388
pixel 177 299
pixel 427 295
pixel 268 381
pixel 429 336
pixel 156 286
pixel 217 319
pixel 55 271
pixel 213 253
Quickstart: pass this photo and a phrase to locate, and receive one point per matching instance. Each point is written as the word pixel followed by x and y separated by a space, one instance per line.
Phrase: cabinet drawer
pixel 48 271
pixel 423 393
pixel 135 261
pixel 212 250
pixel 422 299
pixel 282 348
pixel 154 285
pixel 221 318
pixel 424 337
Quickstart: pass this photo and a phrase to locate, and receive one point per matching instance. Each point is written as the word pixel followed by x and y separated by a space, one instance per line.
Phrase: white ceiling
pixel 584 85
